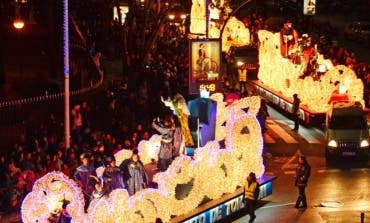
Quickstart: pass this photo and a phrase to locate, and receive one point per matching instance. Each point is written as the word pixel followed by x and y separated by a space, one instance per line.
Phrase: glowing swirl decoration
pixel 283 76
pixel 235 33
pixel 210 173
pixel 46 199
pixel 149 150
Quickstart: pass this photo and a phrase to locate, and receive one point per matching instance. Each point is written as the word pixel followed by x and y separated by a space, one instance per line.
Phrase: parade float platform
pixel 227 205
pixel 307 115
pixel 204 187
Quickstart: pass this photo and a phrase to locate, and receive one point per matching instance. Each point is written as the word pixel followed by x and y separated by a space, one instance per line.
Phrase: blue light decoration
pixel 65 38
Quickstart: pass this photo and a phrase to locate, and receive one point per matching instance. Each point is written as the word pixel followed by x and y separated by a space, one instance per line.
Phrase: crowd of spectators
pixel 121 116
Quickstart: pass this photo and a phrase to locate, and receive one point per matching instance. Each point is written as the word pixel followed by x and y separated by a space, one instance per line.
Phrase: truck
pixel 346 132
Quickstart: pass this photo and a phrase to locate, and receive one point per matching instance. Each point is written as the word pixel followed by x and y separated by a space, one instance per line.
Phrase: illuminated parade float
pixel 287 64
pixel 212 172
pixel 280 78
pixel 205 186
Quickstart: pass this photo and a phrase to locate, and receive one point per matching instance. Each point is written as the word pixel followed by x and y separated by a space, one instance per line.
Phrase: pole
pixel 198 133
pixel 362 217
pixel 66 73
pixel 207 17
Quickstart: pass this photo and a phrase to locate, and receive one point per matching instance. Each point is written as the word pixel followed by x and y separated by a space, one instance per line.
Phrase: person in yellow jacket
pixel 251 192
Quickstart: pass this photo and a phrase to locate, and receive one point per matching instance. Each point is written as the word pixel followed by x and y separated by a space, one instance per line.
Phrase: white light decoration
pixel 322 68
pixel 198 17
pixel 284 77
pixel 122 155
pixel 148 150
pixel 211 165
pixel 342 89
pixel 46 199
pixel 234 34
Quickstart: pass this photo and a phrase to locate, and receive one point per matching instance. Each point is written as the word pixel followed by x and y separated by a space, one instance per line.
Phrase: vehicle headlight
pixel 332 143
pixel 364 143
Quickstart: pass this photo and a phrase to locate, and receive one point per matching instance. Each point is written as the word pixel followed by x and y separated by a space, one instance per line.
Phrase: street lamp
pixel 18 23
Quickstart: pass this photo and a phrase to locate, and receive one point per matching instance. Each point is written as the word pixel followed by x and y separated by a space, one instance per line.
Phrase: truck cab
pixel 346 131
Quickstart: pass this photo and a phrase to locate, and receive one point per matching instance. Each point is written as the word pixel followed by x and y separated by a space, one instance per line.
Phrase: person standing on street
pixel 251 192
pixel 295 111
pixel 302 174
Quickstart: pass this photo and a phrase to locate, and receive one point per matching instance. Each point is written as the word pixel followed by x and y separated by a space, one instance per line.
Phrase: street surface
pixel 336 194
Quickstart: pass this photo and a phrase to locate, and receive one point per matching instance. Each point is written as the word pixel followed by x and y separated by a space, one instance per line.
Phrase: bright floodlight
pixel 18 24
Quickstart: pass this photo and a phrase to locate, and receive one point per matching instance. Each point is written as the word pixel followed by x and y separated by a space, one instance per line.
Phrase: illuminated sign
pixel 309 7
pixel 219 212
pixel 228 207
pixel 211 87
pixel 124 10
pixel 205 60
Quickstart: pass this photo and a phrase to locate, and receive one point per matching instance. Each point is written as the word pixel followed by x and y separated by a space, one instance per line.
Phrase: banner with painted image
pixel 205 60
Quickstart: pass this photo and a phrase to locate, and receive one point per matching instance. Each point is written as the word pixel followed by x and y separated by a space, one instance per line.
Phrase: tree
pixel 143 24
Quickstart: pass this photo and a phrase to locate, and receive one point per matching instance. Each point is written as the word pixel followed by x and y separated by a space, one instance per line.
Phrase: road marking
pixel 360 169
pixel 329 171
pixel 289 164
pixel 277 205
pixel 268 138
pixel 308 137
pixel 282 133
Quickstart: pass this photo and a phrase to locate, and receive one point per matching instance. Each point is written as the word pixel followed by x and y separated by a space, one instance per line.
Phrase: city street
pixel 335 194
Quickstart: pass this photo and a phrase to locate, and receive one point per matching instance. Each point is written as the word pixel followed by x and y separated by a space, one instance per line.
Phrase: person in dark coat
pixel 295 111
pixel 135 175
pixel 262 115
pixel 167 130
pixel 302 174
